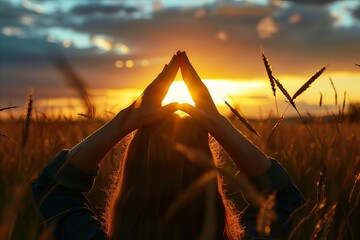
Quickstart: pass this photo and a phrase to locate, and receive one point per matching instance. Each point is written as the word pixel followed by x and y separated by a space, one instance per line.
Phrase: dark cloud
pixel 313 2
pixel 310 19
pixel 11 15
pixel 356 12
pixel 88 9
pixel 312 41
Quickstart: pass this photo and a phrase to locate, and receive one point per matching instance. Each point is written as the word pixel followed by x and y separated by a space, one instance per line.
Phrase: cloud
pixel 89 9
pixel 242 11
pixel 313 2
pixel 267 28
pixel 308 19
pixel 356 12
pixel 219 44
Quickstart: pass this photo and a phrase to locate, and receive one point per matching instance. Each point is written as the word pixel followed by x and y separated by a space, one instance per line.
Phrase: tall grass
pixel 327 173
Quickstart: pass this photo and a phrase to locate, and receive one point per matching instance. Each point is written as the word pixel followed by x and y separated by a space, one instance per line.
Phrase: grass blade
pixel 26 123
pixel 333 86
pixel 269 72
pixel 75 80
pixel 286 94
pixel 242 119
pixel 342 110
pixel 7 108
pixel 190 193
pixel 308 83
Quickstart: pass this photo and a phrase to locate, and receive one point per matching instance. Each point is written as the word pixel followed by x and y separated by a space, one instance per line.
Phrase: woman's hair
pixel 152 175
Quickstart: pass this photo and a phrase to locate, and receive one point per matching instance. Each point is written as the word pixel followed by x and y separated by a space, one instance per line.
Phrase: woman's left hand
pixel 147 108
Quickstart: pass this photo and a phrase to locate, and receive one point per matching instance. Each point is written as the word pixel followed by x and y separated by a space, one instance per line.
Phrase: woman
pixel 154 172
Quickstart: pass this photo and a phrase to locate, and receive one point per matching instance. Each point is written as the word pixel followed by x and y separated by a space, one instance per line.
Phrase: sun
pixel 218 88
pixel 178 92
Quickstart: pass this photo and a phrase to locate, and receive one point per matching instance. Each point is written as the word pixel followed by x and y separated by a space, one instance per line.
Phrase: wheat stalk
pixel 333 86
pixel 242 119
pixel 343 105
pixel 271 78
pixel 321 186
pixel 190 193
pixel 308 83
pixel 269 72
pixel 277 124
pixel 7 108
pixel 321 99
pixel 26 124
pixel 74 79
pixel 286 94
pixel 342 109
pixel 247 189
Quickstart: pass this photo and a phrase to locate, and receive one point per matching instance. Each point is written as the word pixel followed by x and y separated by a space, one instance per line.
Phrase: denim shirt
pixel 58 193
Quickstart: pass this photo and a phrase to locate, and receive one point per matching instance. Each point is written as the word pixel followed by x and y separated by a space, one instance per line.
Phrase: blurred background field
pixel 332 199
pixel 68 66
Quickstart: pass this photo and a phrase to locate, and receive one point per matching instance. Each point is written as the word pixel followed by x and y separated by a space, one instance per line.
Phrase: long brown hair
pixel 151 176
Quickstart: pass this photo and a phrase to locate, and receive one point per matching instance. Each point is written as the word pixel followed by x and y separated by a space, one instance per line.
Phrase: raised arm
pixel 248 158
pixel 58 190
pixel 145 110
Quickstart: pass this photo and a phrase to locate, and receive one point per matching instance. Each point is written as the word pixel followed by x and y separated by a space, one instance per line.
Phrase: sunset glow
pixel 219 90
pixel 117 48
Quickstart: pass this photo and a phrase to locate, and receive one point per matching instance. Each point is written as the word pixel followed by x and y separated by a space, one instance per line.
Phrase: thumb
pixel 192 111
pixel 169 108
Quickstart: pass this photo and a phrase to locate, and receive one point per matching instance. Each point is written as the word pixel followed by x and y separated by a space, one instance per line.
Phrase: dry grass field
pixel 321 154
pixel 328 172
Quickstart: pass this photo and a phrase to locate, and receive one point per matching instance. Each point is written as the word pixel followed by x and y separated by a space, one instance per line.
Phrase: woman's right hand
pixel 205 111
pixel 247 157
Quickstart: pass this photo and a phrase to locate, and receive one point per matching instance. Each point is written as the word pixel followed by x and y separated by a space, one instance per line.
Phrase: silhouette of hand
pixel 205 110
pixel 147 108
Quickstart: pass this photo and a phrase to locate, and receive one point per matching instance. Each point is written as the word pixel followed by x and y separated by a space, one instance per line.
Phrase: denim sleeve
pixel 288 199
pixel 58 193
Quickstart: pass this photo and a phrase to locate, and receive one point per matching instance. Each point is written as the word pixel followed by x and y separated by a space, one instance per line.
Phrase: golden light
pixel 102 43
pixel 121 48
pixel 178 92
pixel 66 43
pixel 129 63
pixel 267 27
pixel 144 63
pixel 32 6
pixel 12 31
pixel 119 64
pixel 219 89
pixel 222 36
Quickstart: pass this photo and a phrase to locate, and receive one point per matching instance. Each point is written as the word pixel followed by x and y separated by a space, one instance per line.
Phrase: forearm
pixel 248 158
pixel 89 152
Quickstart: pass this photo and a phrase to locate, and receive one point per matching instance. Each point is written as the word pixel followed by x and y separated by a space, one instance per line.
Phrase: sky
pixel 119 46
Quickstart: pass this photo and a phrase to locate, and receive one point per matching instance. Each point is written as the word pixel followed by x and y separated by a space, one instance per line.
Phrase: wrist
pixel 120 122
pixel 217 124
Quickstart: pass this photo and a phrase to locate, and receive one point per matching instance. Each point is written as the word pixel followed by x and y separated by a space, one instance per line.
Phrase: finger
pixel 161 112
pixel 193 76
pixel 169 76
pixel 162 83
pixel 166 69
pixel 192 111
pixel 196 87
pixel 169 108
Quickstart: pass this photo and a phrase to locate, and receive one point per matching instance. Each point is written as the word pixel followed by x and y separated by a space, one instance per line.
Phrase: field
pixel 327 173
pixel 321 154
